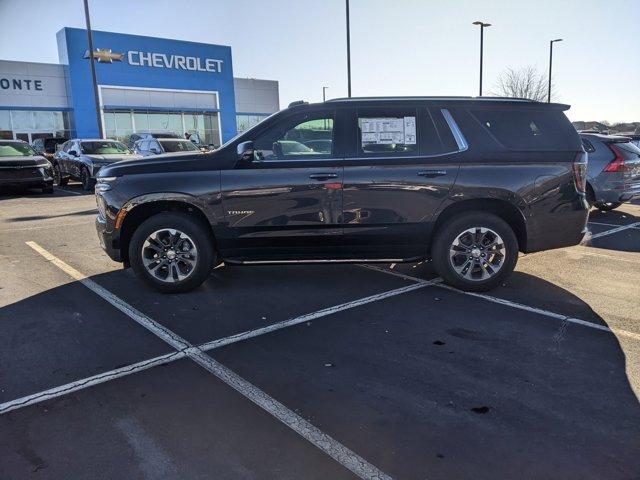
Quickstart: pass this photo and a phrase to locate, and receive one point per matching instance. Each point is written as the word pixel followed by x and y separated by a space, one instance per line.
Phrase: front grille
pixel 19 173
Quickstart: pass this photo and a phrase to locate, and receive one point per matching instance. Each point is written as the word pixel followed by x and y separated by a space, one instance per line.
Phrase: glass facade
pixel 31 124
pixel 120 124
pixel 245 121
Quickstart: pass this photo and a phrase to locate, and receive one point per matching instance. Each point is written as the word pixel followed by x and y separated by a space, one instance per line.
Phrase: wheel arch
pixel 140 209
pixel 507 211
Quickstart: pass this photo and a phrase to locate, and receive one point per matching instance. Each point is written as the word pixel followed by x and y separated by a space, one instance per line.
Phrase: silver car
pixel 82 159
pixel 613 171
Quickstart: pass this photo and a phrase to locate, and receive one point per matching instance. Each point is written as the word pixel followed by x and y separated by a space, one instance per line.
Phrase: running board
pixel 328 260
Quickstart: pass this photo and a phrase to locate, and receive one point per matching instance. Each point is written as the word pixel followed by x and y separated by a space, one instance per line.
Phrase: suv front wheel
pixel 172 252
pixel 475 251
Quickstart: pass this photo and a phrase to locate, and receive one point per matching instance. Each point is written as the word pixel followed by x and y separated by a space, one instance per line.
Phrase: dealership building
pixel 144 84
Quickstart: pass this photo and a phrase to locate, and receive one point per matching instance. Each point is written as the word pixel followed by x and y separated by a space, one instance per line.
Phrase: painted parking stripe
pixel 171 357
pixel 609 232
pixel 88 382
pixel 321 440
pixel 520 306
pixel 68 191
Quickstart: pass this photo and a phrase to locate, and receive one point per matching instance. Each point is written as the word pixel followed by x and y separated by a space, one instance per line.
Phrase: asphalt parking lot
pixel 339 371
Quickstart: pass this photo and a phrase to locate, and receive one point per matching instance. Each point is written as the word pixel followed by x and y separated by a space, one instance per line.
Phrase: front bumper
pixel 26 177
pixel 109 241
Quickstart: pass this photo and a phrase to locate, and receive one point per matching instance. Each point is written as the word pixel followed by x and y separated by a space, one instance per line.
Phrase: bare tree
pixel 525 82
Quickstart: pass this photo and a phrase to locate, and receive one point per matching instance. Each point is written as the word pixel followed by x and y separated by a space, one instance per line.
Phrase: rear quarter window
pixel 529 129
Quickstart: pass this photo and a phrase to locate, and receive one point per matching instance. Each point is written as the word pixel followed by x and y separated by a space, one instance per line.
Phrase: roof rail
pixel 506 99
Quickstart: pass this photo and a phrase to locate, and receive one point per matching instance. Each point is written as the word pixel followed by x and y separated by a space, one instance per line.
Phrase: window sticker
pixel 387 131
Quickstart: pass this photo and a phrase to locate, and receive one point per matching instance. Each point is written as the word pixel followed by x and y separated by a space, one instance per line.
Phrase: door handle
pixel 323 176
pixel 431 173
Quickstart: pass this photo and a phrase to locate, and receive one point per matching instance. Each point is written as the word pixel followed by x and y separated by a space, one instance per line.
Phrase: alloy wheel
pixel 477 254
pixel 169 255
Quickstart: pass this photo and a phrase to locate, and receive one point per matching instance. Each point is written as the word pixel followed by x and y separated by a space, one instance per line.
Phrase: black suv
pixel 466 182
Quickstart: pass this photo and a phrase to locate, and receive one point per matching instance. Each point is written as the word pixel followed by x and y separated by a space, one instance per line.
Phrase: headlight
pixel 104 184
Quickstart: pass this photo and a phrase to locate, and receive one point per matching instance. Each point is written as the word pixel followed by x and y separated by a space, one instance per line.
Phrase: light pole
pixel 93 69
pixel 324 96
pixel 482 27
pixel 348 53
pixel 551 65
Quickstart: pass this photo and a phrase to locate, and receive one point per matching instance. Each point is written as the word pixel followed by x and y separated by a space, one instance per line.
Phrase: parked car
pixel 81 159
pixel 635 137
pixel 164 145
pixel 613 173
pixel 21 165
pixel 466 182
pixel 134 137
pixel 47 147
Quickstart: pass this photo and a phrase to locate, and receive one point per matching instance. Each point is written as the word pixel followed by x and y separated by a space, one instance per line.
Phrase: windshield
pixel 16 150
pixel 178 146
pixel 103 148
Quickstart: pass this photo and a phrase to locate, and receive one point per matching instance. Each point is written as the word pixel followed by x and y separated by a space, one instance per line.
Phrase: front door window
pixel 302 139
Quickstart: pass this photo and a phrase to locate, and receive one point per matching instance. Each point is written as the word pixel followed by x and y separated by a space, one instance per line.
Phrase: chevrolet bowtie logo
pixel 104 55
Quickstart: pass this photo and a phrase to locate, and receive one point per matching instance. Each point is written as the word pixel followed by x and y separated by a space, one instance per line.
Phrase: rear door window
pixel 525 129
pixel 387 132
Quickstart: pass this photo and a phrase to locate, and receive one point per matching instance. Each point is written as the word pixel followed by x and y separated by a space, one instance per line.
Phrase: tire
pixel 608 206
pixel 158 271
pixel 479 269
pixel 58 179
pixel 87 182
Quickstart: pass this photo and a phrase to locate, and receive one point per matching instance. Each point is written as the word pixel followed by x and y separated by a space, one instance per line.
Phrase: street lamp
pixel 348 52
pixel 96 96
pixel 550 65
pixel 324 96
pixel 482 27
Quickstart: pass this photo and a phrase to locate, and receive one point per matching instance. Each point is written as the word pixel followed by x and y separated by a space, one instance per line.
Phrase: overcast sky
pixel 399 47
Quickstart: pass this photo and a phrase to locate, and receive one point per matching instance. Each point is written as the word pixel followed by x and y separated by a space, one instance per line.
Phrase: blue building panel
pixel 144 62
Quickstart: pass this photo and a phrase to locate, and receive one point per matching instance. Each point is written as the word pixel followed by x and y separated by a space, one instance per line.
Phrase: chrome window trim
pixel 457 134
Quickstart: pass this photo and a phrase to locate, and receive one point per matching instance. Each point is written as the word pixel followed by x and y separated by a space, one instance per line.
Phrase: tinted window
pixel 527 128
pixel 387 131
pixel 103 148
pixel 444 132
pixel 303 138
pixel 178 146
pixel 17 149
pixel 588 146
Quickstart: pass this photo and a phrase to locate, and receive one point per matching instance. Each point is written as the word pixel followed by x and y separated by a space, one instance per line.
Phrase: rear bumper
pixel 617 191
pixel 564 227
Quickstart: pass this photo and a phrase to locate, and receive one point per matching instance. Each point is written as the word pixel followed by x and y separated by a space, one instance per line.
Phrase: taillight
pixel 617 164
pixel 580 171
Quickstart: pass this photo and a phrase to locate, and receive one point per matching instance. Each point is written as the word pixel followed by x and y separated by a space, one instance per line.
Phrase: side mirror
pixel 73 153
pixel 246 151
pixel 154 150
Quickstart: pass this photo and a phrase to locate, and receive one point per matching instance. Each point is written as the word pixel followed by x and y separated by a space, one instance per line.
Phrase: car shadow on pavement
pixel 573 389
pixel 91 211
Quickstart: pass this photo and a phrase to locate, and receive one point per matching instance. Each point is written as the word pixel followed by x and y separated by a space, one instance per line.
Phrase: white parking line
pixel 609 232
pixel 68 191
pixel 83 383
pixel 321 440
pixel 520 306
pixel 171 357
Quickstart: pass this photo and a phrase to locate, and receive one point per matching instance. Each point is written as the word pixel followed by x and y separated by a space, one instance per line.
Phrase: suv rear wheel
pixel 475 251
pixel 172 252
